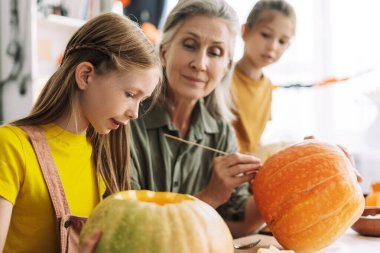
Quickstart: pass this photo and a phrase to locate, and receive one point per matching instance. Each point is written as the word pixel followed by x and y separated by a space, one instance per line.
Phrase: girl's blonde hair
pixel 257 13
pixel 218 101
pixel 112 43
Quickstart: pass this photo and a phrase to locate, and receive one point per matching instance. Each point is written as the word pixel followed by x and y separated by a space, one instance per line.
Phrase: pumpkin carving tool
pixel 195 144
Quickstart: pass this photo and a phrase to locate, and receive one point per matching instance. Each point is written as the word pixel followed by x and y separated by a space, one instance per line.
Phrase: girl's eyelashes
pixel 265 35
pixel 269 36
pixel 283 42
pixel 129 94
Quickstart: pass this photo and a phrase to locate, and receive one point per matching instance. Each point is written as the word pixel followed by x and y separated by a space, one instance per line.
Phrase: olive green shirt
pixel 164 164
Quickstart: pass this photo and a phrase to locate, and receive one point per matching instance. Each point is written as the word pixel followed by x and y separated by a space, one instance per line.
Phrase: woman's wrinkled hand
pixel 88 245
pixel 358 175
pixel 229 171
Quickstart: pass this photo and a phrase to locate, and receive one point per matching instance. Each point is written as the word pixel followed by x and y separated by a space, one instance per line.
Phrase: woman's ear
pixel 163 55
pixel 82 73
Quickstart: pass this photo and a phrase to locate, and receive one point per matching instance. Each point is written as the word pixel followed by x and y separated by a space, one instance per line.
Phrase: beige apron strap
pixel 52 180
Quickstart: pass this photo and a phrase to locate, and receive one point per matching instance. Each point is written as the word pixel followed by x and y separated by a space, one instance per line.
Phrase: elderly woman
pixel 196 53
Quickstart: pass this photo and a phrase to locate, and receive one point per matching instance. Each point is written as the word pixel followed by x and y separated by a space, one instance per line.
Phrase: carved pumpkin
pixel 158 222
pixel 308 195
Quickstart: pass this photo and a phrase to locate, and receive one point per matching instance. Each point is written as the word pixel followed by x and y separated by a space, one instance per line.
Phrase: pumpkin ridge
pixel 180 236
pixel 324 217
pixel 289 164
pixel 200 223
pixel 287 197
pixel 296 194
pixel 317 183
pixel 203 234
pixel 319 242
pixel 282 206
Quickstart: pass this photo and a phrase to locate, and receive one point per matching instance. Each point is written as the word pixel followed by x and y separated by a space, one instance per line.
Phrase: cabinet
pixel 53 33
pixel 41 39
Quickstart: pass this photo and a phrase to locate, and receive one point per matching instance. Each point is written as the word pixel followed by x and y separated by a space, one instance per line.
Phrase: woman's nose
pixel 199 62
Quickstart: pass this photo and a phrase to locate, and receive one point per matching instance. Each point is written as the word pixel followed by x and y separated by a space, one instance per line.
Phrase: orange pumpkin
pixel 373 199
pixel 308 195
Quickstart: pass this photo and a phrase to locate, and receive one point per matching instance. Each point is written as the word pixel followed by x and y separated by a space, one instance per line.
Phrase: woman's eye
pixel 215 52
pixel 189 45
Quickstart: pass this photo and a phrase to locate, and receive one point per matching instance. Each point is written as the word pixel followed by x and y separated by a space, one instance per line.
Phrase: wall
pixel 17 93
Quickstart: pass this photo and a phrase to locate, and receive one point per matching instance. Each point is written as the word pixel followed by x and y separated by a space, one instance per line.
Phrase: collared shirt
pixel 164 164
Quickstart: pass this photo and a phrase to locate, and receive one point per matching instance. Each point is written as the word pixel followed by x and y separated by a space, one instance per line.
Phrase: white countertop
pixel 349 242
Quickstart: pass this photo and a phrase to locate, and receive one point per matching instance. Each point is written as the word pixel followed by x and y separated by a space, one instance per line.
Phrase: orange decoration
pixel 59 59
pixel 373 199
pixel 153 34
pixel 308 195
pixel 332 80
pixel 125 2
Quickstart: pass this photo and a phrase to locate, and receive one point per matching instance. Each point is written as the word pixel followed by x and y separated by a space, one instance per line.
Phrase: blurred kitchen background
pixel 329 79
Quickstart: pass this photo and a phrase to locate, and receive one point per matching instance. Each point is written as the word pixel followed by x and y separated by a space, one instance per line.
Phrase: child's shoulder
pixel 10 134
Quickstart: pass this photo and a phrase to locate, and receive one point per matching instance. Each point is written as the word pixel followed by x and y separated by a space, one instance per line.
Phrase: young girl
pixel 76 135
pixel 267 34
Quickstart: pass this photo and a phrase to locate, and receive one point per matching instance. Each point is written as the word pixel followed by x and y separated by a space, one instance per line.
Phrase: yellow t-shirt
pixel 32 227
pixel 253 100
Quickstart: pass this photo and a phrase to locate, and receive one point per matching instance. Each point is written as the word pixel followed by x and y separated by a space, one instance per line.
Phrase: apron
pixel 68 226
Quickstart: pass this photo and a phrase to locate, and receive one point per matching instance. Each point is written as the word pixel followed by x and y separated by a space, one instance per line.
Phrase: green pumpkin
pixel 157 222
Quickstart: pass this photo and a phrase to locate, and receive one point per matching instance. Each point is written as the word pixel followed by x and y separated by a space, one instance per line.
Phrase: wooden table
pixel 349 242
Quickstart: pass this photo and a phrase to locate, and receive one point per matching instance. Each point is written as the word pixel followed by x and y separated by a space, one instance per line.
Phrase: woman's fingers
pixel 349 156
pixel 345 151
pixel 236 164
pixel 236 158
pixel 240 169
pixel 236 181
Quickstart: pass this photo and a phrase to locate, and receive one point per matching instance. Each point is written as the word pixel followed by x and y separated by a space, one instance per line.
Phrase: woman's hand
pixel 89 244
pixel 358 175
pixel 229 172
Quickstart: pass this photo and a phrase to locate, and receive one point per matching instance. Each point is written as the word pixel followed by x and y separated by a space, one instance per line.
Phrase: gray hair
pixel 219 101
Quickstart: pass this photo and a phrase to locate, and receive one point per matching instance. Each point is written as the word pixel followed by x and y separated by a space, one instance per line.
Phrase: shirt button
pixel 175 184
